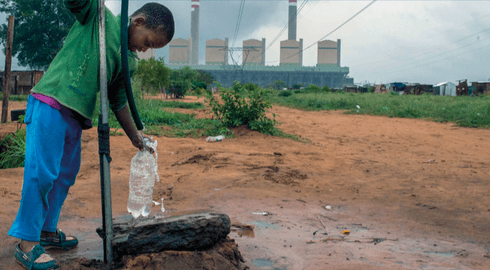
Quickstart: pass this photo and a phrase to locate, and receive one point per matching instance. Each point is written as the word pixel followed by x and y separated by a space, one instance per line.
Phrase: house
pixel 417 89
pixel 380 89
pixel 478 88
pixel 21 82
pixel 445 89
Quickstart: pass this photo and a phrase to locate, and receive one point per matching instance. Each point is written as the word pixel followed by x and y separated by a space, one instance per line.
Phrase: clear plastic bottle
pixel 144 170
pixel 215 139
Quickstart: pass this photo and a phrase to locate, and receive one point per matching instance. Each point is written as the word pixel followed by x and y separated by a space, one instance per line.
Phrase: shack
pixel 445 89
pixel 380 89
pixel 21 82
pixel 480 88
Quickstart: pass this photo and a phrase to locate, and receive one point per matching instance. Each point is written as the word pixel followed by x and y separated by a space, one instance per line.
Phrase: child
pixel 61 105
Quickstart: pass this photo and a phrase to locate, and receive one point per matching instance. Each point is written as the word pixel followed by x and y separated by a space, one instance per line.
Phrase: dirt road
pixel 413 194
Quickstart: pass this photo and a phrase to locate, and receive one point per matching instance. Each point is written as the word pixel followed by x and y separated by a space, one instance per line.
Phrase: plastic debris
pixel 328 207
pixel 215 139
pixel 156 203
pixel 261 213
pixel 162 208
pixel 346 232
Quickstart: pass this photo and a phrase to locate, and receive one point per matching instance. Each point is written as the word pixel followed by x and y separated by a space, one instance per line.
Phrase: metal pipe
pixel 105 175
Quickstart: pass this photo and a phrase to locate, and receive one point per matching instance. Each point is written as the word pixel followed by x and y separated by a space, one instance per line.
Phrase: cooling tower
pixel 329 53
pixel 179 51
pixel 256 52
pixel 194 32
pixel 216 53
pixel 293 8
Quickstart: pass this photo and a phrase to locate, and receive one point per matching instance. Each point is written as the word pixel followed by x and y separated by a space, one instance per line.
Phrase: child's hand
pixel 138 142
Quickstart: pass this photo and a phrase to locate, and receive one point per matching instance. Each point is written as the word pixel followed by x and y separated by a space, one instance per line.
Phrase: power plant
pixel 327 71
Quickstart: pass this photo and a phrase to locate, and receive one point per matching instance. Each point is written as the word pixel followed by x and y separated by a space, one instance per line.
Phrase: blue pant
pixel 52 162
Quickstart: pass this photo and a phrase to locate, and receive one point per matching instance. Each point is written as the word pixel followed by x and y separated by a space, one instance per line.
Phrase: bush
pixel 285 93
pixel 236 110
pixel 326 89
pixel 313 88
pixel 250 87
pixel 13 150
pixel 297 86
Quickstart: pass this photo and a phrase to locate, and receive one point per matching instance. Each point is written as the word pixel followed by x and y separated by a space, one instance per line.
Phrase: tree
pixel 278 85
pixel 154 75
pixel 40 30
pixel 205 77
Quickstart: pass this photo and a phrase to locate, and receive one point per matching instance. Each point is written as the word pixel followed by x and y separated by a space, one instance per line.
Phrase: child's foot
pixel 35 259
pixel 58 239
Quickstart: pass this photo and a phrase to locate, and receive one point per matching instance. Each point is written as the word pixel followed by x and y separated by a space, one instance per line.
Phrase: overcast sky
pixel 408 41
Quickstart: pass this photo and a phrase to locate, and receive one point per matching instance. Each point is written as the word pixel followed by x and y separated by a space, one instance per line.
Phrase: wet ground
pixel 403 193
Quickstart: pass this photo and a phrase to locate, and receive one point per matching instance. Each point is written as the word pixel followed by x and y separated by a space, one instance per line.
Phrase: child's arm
pixel 84 10
pixel 124 118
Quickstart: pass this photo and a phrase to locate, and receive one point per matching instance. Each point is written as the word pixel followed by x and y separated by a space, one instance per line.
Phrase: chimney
pixel 293 8
pixel 194 59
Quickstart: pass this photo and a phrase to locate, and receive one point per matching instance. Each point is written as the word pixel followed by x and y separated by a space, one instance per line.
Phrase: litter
pixel 328 207
pixel 215 139
pixel 156 203
pixel 162 208
pixel 261 213
pixel 346 232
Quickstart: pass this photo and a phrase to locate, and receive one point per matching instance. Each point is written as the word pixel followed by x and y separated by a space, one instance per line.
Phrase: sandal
pixel 59 241
pixel 36 259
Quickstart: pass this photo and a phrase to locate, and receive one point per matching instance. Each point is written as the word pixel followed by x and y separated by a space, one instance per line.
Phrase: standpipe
pixel 103 128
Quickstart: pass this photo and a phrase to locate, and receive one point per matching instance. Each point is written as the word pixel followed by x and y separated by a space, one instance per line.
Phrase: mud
pixel 413 194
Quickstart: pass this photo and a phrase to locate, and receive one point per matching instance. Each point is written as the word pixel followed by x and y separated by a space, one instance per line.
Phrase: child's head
pixel 152 26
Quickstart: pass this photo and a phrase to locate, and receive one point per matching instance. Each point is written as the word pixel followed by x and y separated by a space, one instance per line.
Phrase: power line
pixel 287 24
pixel 428 51
pixel 355 15
pixel 239 20
pixel 388 71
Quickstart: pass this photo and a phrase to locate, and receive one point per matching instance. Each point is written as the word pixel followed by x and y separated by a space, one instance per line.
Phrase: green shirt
pixel 73 76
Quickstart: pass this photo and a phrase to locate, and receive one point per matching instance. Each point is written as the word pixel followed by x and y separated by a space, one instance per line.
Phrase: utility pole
pixel 8 65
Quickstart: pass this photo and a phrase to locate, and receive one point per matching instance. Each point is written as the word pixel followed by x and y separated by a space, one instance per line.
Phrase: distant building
pixel 216 52
pixel 179 51
pixel 256 52
pixel 445 89
pixel 146 55
pixel 291 53
pixel 21 82
pixel 479 88
pixel 328 53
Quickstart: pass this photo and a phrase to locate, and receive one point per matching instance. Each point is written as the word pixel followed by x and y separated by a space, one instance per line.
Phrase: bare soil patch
pixel 412 194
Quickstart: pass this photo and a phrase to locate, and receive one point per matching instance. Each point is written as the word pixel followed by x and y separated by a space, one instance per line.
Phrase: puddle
pixel 445 254
pixel 264 264
pixel 264 225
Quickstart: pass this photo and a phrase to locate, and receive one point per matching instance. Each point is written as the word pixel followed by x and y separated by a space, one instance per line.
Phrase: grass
pixel 15 97
pixel 13 149
pixel 464 111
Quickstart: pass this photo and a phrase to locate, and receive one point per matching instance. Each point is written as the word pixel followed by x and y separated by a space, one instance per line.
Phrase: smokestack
pixel 338 52
pixel 293 8
pixel 194 32
pixel 263 51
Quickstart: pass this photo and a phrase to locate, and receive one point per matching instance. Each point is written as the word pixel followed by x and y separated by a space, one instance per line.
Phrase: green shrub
pixel 326 89
pixel 236 110
pixel 285 93
pixel 250 87
pixel 13 150
pixel 313 88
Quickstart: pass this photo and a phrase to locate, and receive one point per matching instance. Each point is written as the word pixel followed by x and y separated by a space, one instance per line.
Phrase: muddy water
pixel 413 194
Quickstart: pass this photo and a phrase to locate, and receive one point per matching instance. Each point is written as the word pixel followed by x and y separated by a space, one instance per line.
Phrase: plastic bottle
pixel 215 139
pixel 144 170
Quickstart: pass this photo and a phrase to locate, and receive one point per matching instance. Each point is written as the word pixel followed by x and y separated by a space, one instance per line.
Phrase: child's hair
pixel 159 17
